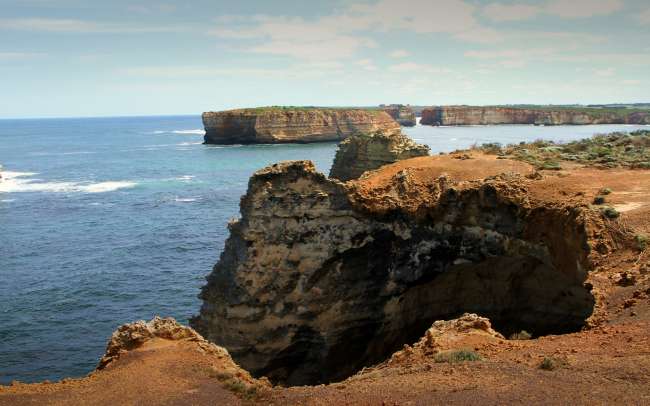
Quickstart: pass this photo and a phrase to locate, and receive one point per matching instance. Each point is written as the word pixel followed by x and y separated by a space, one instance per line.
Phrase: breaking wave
pixel 16 182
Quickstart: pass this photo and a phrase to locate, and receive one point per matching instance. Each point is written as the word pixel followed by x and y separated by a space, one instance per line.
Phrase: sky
pixel 74 58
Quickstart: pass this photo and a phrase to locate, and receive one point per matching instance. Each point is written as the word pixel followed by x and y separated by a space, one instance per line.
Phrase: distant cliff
pixel 404 115
pixel 275 125
pixel 469 115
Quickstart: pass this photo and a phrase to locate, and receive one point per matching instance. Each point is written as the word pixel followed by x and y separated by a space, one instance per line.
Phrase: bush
pixel 599 200
pixel 605 191
pixel 611 212
pixel 457 356
pixel 551 363
pixel 522 335
pixel 551 165
pixel 642 241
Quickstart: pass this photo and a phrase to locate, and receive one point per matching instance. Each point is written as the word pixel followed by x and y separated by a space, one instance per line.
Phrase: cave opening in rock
pixel 439 272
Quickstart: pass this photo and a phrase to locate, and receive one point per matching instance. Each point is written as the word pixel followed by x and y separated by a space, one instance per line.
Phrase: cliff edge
pixel 490 115
pixel 271 125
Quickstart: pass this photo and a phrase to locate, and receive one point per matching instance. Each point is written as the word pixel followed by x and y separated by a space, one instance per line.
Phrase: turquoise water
pixel 108 220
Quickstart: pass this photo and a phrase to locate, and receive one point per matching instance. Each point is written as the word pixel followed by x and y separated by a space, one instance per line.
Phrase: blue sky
pixel 91 58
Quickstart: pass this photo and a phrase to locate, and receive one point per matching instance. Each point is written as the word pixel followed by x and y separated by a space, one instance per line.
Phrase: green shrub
pixel 548 364
pixel 457 356
pixel 599 200
pixel 605 191
pixel 522 335
pixel 611 212
pixel 642 241
pixel 551 165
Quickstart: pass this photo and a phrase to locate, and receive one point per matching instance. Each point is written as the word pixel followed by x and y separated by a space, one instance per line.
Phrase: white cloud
pixel 412 67
pixel 343 34
pixel 17 56
pixel 583 8
pixel 510 12
pixel 303 70
pixel 561 8
pixel 631 82
pixel 399 53
pixel 366 64
pixel 607 72
pixel 644 17
pixel 76 26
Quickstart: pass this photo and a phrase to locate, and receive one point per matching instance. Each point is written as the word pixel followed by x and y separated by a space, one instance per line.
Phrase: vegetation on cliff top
pixel 629 150
pixel 282 109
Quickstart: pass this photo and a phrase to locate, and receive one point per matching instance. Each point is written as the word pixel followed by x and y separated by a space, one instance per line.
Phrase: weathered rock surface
pixel 364 152
pixel 321 278
pixel 404 115
pixel 289 125
pixel 471 115
pixel 133 335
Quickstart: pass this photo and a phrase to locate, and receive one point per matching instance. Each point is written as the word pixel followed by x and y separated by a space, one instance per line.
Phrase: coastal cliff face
pixel 468 115
pixel 319 278
pixel 404 115
pixel 364 152
pixel 287 125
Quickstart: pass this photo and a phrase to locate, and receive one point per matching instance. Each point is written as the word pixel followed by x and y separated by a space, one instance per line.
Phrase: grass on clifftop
pixel 266 109
pixel 628 150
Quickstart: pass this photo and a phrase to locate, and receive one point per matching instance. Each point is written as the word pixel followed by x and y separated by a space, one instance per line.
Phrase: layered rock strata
pixel 404 115
pixel 320 278
pixel 470 115
pixel 289 125
pixel 364 152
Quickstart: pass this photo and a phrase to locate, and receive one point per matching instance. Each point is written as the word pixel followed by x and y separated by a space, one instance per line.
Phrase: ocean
pixel 104 221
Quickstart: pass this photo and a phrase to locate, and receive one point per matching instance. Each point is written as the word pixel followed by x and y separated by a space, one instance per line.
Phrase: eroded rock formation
pixel 471 115
pixel 292 125
pixel 364 152
pixel 321 278
pixel 404 115
pixel 133 335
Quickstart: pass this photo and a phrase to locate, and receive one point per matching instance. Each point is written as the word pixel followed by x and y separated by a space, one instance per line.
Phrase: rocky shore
pixel 273 125
pixel 322 281
pixel 475 115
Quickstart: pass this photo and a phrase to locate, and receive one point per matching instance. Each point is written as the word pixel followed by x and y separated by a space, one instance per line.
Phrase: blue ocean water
pixel 108 220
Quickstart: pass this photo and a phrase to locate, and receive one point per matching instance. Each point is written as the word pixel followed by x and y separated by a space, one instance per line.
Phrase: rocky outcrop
pixel 404 115
pixel 364 152
pixel 292 125
pixel 470 115
pixel 133 335
pixel 320 278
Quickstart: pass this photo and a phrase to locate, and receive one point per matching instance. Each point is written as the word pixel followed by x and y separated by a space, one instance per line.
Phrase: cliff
pixel 469 115
pixel 319 279
pixel 404 115
pixel 292 125
pixel 364 152
pixel 417 239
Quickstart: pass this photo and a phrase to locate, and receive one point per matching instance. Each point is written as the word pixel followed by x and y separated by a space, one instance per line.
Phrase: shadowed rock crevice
pixel 318 281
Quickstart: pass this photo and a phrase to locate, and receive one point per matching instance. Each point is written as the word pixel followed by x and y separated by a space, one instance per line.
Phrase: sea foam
pixel 16 182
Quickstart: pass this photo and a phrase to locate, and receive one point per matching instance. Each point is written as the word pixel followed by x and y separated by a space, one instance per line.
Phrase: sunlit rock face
pixel 292 125
pixel 320 278
pixel 469 115
pixel 365 152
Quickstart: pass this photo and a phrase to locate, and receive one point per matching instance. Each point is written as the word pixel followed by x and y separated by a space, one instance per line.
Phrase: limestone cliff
pixel 404 115
pixel 292 125
pixel 320 278
pixel 470 115
pixel 364 152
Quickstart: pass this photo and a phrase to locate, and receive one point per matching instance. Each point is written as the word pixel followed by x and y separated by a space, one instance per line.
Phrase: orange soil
pixel 607 363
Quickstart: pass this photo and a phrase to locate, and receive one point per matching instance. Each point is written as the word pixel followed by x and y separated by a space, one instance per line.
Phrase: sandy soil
pixel 607 363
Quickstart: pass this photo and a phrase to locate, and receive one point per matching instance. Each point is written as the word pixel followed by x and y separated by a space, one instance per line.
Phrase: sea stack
pixel 365 152
pixel 404 115
pixel 275 125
